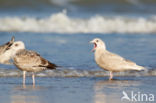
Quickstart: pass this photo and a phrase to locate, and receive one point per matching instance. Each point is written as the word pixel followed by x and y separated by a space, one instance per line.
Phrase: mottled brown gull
pixel 5 52
pixel 110 61
pixel 29 61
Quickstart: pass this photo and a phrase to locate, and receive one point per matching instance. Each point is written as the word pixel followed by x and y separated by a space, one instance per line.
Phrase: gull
pixel 5 53
pixel 29 61
pixel 110 61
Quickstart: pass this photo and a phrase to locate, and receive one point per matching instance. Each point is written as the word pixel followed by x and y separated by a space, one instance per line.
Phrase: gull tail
pixel 138 68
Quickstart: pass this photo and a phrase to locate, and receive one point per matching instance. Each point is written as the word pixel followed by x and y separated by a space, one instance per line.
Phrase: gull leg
pixel 111 75
pixel 24 77
pixel 33 78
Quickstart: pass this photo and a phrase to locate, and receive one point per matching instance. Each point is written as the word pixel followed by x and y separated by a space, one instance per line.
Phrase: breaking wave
pixel 62 23
pixel 75 73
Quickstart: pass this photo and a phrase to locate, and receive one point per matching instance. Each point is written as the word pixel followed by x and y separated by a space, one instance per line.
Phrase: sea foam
pixel 62 23
pixel 76 73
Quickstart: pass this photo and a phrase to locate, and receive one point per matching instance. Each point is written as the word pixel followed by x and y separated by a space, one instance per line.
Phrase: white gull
pixel 110 61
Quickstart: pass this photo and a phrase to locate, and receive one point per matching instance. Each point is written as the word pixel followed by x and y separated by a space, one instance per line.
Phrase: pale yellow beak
pixel 91 42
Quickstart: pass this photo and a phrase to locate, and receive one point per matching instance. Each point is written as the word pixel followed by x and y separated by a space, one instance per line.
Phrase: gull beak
pixel 91 42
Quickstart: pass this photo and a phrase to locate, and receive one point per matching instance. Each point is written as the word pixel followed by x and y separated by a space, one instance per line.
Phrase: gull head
pixel 16 46
pixel 98 44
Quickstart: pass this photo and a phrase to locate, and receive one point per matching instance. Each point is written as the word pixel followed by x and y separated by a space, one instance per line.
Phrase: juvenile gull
pixel 5 53
pixel 110 61
pixel 29 61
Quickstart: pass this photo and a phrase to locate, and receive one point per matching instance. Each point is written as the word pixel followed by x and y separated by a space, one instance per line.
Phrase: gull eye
pixel 16 45
pixel 97 40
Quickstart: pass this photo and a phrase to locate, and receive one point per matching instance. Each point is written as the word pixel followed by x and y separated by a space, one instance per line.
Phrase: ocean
pixel 60 31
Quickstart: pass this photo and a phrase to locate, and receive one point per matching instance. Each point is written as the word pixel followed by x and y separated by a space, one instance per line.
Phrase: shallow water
pixel 79 80
pixel 74 51
pixel 73 90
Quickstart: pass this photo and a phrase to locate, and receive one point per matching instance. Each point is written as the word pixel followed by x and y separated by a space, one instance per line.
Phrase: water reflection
pixel 111 91
pixel 27 94
pixel 24 99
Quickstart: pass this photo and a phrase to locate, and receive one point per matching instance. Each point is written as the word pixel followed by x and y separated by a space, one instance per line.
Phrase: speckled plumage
pixel 31 61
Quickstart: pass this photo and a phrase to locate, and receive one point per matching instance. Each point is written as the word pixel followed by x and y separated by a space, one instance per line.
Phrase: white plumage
pixel 110 61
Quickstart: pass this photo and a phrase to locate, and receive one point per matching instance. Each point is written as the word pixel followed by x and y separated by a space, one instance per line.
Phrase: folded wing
pixel 32 61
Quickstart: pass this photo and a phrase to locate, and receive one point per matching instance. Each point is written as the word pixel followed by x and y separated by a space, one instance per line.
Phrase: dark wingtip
pixel 12 39
pixel 47 64
pixel 10 43
pixel 51 66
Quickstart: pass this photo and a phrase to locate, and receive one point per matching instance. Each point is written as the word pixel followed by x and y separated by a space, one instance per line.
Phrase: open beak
pixel 95 45
pixel 92 42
